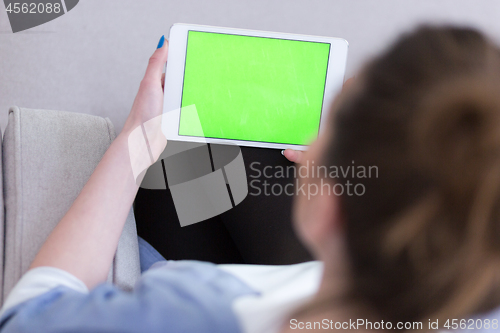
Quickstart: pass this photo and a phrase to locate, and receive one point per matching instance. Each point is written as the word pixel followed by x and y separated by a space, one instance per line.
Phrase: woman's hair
pixel 424 239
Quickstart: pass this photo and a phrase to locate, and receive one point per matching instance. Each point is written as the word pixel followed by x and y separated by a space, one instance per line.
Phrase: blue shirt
pixel 182 296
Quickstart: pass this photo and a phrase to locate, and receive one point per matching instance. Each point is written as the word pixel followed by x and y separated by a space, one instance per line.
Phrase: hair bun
pixel 458 131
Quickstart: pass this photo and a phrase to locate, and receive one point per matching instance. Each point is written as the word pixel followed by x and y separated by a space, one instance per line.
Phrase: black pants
pixel 257 231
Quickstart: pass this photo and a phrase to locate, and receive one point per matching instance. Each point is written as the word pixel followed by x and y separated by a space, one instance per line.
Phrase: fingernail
pixel 161 42
pixel 283 152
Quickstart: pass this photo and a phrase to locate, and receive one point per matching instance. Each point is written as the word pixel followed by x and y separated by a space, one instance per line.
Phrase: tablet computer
pixel 249 88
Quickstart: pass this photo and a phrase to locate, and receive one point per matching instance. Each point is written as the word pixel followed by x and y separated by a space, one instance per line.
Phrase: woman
pixel 422 242
pixel 419 244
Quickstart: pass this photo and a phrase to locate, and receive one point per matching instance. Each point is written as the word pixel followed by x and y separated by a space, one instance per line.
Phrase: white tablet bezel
pixel 174 79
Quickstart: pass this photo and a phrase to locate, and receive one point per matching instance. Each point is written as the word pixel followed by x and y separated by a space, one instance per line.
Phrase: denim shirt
pixel 173 296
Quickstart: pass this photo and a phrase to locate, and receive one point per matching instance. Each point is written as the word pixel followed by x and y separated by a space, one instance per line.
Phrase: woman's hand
pixel 142 129
pixel 296 155
pixel 148 103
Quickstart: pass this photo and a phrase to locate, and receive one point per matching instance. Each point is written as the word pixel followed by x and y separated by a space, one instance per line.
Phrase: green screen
pixel 253 88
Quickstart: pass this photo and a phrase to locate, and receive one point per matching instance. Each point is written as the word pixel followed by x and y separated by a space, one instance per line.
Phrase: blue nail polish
pixel 162 41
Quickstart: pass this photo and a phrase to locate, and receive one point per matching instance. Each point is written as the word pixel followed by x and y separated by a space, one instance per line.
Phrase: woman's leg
pixel 261 224
pixel 257 231
pixel 158 224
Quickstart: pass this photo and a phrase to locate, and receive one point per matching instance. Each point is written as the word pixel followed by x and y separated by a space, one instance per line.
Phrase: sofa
pixel 47 157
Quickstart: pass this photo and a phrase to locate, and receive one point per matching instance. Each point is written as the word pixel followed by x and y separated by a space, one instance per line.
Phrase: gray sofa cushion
pixel 48 158
pixel 2 224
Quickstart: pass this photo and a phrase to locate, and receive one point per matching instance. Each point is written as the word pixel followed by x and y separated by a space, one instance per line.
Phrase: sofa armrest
pixel 48 158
